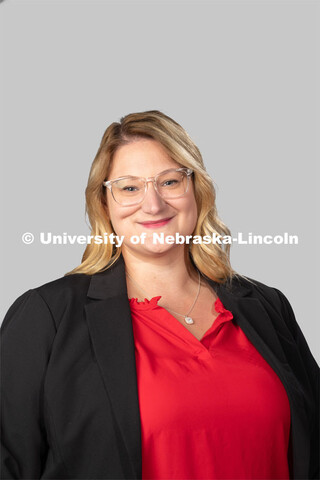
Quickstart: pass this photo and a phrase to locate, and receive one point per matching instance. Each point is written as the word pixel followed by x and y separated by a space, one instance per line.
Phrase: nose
pixel 152 202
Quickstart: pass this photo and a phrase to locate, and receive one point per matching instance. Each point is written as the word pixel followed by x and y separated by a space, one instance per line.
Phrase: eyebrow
pixel 139 176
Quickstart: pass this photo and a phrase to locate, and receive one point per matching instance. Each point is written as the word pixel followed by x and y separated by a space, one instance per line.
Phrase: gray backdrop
pixel 240 76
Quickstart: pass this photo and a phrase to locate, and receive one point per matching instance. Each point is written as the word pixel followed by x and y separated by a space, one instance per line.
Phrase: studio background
pixel 240 76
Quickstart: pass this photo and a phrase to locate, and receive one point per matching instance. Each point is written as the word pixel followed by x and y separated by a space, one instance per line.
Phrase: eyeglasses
pixel 171 183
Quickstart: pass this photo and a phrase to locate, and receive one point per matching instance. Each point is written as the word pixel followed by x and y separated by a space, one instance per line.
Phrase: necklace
pixel 187 318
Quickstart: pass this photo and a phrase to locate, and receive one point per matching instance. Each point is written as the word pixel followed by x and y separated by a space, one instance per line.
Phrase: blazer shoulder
pixel 68 286
pixel 272 299
pixel 51 299
pixel 65 293
pixel 257 289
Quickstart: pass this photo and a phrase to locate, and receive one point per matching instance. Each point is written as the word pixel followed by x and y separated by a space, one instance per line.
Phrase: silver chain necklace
pixel 187 318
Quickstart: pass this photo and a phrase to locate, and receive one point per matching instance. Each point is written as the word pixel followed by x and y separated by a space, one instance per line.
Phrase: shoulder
pixel 49 301
pixel 246 286
pixel 65 288
pixel 273 300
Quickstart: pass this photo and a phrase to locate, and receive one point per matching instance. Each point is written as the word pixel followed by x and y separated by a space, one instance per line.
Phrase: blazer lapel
pixel 110 327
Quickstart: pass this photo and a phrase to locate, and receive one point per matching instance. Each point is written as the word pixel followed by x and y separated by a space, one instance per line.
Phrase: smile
pixel 157 223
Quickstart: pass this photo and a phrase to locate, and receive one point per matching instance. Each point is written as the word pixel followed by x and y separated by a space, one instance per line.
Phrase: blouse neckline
pixel 153 303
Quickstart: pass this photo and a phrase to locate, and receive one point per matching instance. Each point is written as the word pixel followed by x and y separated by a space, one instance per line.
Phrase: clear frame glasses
pixel 171 183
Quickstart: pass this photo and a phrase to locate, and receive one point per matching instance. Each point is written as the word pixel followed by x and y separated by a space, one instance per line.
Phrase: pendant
pixel 188 320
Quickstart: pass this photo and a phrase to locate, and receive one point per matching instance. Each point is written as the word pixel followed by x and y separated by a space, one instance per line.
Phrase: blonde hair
pixel 213 260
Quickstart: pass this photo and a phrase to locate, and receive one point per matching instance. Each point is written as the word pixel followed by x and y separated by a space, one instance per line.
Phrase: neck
pixel 161 274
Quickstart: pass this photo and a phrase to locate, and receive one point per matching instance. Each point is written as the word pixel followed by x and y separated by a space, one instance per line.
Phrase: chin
pixel 157 249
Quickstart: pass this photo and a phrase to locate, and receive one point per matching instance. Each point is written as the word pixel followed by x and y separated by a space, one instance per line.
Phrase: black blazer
pixel 70 403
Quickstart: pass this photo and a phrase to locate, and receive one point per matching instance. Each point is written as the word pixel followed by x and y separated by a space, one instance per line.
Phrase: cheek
pixel 120 218
pixel 192 213
pixel 191 207
pixel 187 216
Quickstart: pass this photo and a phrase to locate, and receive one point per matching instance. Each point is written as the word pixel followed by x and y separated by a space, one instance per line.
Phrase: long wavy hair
pixel 213 259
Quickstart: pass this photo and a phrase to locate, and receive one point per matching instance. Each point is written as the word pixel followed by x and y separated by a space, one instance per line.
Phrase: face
pixel 147 158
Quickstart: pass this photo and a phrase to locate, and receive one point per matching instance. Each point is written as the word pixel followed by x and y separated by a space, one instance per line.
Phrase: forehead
pixel 141 158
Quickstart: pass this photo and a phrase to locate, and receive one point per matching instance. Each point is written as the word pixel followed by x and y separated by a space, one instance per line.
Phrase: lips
pixel 156 223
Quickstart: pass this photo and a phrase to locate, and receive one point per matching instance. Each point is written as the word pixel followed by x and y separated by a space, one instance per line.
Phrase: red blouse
pixel 210 409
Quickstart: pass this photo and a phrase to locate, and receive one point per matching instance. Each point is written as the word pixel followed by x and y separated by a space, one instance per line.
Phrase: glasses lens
pixel 128 191
pixel 172 184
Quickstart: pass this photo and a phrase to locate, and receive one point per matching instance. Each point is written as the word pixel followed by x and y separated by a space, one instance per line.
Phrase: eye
pixel 129 189
pixel 169 183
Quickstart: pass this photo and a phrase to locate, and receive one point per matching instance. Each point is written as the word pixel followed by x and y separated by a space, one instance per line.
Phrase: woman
pixel 155 360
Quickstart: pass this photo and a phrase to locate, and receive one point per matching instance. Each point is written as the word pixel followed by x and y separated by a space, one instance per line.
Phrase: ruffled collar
pixel 153 303
pixel 146 304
